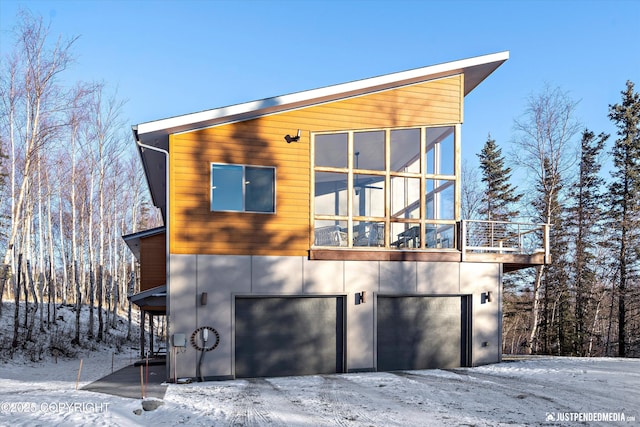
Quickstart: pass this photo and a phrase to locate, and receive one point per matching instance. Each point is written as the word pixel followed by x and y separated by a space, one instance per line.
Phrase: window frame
pixel 352 218
pixel 244 187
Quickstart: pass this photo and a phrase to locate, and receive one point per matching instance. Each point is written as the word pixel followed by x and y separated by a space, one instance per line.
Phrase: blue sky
pixel 170 58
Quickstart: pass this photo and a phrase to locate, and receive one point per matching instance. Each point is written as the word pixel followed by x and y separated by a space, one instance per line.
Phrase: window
pixel 388 188
pixel 240 188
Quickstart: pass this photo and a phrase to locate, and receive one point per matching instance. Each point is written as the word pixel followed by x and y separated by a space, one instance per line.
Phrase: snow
pixel 521 392
pixel 526 391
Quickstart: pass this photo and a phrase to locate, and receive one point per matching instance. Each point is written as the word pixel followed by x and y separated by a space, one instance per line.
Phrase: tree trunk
pixel 4 273
pixel 99 289
pixel 610 325
pixel 32 288
pixel 16 312
pixel 132 282
pixel 92 287
pixel 532 344
pixel 622 286
pixel 78 301
pixel 593 328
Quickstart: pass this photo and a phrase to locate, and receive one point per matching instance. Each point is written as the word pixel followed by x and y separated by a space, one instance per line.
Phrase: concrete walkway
pixel 126 382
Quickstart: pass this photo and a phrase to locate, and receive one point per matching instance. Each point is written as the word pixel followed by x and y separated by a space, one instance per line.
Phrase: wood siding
pixel 196 230
pixel 153 264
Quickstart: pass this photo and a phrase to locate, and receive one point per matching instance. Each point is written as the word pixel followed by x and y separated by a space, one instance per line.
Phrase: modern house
pixel 320 232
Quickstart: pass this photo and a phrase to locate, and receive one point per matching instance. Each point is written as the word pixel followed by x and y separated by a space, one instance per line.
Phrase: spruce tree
pixel 625 199
pixel 584 221
pixel 555 322
pixel 499 195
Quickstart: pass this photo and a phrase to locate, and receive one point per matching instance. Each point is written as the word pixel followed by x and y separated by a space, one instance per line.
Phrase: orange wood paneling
pixel 196 230
pixel 153 265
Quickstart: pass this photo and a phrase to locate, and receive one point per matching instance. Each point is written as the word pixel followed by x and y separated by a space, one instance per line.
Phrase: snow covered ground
pixel 533 391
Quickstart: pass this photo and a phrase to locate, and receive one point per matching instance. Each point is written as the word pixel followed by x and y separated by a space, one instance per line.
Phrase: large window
pixel 390 188
pixel 240 188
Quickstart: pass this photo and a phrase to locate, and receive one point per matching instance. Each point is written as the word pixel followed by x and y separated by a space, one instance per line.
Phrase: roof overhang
pixel 152 300
pixel 133 240
pixel 156 133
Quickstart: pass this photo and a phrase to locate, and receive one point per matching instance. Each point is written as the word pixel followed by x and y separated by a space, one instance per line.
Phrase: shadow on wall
pixel 196 232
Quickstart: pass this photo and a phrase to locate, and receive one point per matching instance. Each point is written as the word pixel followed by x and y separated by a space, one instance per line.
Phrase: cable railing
pixel 502 237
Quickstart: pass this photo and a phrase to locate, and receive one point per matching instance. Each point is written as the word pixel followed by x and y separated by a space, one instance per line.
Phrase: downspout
pixel 166 225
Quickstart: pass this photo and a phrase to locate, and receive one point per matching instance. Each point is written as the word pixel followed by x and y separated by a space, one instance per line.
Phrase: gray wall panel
pixel 438 278
pixel 361 276
pixel 220 277
pixel 476 279
pixel 182 294
pixel 398 277
pixel 224 277
pixel 323 276
pixel 276 274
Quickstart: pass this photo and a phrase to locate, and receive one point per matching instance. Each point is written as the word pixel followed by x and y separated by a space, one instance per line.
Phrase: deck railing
pixel 503 237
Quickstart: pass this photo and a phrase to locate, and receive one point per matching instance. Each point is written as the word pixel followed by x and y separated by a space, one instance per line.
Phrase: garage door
pixel 421 332
pixel 288 336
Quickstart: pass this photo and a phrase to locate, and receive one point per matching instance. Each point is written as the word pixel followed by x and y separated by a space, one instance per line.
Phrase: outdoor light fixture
pixel 487 296
pixel 361 297
pixel 291 139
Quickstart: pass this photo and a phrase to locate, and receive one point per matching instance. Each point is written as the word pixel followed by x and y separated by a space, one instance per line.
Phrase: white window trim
pixel 244 168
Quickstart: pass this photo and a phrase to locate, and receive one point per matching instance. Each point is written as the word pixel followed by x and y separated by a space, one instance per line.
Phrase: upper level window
pixel 391 188
pixel 240 188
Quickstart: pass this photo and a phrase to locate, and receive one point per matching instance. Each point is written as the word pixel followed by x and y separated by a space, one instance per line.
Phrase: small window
pixel 239 188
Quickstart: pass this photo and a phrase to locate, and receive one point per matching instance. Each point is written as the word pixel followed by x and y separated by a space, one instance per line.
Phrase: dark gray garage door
pixel 288 336
pixel 421 332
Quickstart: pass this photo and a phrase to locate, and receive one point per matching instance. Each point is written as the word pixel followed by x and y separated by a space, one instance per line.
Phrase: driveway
pixel 530 391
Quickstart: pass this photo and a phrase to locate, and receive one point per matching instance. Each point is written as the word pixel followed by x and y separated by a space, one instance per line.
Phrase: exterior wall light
pixel 361 297
pixel 487 296
pixel 291 139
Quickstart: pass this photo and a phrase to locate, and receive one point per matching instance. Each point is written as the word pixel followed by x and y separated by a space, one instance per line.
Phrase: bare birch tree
pixel 32 101
pixel 105 143
pixel 543 140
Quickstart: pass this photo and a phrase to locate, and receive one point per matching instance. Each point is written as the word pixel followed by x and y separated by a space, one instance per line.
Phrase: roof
pixel 153 300
pixel 156 133
pixel 133 240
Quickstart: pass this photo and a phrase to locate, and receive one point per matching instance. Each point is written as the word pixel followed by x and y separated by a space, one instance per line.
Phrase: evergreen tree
pixel 625 199
pixel 499 196
pixel 584 219
pixel 555 323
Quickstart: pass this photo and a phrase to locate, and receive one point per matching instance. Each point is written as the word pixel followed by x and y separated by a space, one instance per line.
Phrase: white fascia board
pixel 358 86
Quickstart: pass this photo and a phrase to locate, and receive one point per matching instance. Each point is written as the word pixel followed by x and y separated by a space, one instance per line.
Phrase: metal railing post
pixel 463 238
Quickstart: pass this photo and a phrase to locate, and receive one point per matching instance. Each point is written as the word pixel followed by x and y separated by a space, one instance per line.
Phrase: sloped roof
pixel 156 133
pixel 133 240
pixel 153 300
